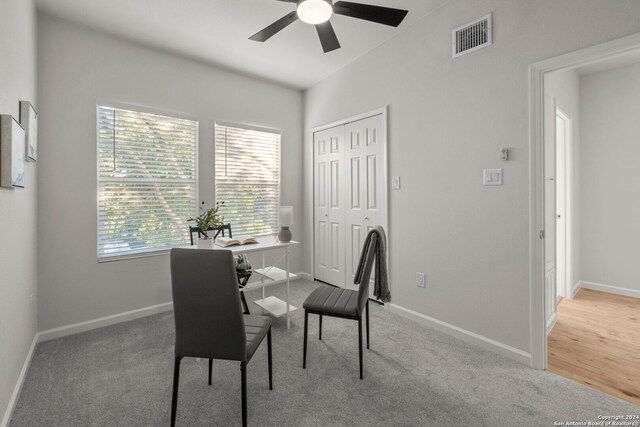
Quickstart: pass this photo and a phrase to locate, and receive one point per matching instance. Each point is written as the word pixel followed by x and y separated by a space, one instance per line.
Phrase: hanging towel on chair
pixel 377 241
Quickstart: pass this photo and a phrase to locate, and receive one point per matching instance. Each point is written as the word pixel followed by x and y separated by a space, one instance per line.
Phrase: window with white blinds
pixel 147 181
pixel 248 179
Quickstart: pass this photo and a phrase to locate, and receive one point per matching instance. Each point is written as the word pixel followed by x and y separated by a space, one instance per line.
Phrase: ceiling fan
pixel 318 13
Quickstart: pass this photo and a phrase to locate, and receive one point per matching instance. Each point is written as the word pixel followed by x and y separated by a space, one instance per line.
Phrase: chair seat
pixel 256 327
pixel 330 300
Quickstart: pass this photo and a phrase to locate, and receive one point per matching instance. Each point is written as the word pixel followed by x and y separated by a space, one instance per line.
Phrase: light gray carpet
pixel 414 376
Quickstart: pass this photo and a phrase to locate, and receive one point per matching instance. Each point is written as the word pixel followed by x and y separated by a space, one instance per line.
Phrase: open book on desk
pixel 225 242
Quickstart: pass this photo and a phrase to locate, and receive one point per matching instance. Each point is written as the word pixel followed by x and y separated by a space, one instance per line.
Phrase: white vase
pixel 205 243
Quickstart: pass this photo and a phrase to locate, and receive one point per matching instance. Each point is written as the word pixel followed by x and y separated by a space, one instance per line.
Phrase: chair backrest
pixel 206 304
pixel 218 230
pixel 369 250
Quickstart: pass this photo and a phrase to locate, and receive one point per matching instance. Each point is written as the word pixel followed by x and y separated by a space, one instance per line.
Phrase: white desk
pixel 269 275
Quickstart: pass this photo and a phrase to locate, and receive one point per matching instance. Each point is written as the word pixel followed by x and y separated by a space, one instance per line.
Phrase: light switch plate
pixel 492 177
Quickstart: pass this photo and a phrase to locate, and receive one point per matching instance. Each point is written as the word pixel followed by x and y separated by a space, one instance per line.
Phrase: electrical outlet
pixel 421 280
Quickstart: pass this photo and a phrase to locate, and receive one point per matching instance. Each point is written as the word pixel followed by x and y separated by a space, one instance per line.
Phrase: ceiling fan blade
pixel 328 37
pixel 268 32
pixel 379 14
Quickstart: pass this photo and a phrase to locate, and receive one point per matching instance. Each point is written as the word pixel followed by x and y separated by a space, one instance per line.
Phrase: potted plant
pixel 208 219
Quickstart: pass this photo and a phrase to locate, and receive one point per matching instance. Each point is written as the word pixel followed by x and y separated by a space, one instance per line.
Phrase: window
pixel 147 181
pixel 248 178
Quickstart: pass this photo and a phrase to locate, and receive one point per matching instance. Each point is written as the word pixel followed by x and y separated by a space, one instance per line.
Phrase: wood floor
pixel 596 342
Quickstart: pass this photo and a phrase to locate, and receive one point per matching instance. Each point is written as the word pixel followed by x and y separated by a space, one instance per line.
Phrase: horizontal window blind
pixel 247 179
pixel 147 181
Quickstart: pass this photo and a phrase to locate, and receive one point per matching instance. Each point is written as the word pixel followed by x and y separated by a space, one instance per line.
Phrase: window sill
pixel 161 252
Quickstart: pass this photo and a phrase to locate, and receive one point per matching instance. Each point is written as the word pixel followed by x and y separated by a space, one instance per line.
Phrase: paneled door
pixel 550 210
pixel 365 201
pixel 349 195
pixel 329 196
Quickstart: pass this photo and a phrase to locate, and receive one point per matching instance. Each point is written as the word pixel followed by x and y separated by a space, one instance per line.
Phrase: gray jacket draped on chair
pixel 376 241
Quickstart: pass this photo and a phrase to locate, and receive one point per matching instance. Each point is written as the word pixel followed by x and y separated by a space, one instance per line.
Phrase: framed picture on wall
pixel 29 122
pixel 12 152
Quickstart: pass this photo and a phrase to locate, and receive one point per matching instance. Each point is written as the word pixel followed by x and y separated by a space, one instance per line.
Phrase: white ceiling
pixel 218 31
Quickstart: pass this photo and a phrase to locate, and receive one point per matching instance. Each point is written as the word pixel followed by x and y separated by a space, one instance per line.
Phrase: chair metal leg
pixel 304 349
pixel 243 372
pixel 360 342
pixel 269 356
pixel 176 381
pixel 210 369
pixel 367 308
pixel 320 329
pixel 245 307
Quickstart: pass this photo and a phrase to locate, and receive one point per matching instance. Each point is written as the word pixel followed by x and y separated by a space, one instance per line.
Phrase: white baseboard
pixel 303 275
pixel 18 387
pixel 463 334
pixel 608 288
pixel 63 331
pixel 551 322
pixel 575 288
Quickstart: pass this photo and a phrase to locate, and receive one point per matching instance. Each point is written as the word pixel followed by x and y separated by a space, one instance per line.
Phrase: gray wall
pixel 610 103
pixel 448 120
pixel 18 273
pixel 78 67
pixel 564 86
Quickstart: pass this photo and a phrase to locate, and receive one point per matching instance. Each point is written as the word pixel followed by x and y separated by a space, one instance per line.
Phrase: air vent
pixel 472 36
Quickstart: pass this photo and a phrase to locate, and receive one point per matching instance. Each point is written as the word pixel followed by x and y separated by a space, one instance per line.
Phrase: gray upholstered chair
pixel 208 317
pixel 344 303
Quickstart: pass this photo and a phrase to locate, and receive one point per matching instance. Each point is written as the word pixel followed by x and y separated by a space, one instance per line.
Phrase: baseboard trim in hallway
pixel 610 289
pixel 463 334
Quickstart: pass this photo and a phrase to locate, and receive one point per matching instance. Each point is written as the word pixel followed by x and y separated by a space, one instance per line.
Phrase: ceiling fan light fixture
pixel 314 11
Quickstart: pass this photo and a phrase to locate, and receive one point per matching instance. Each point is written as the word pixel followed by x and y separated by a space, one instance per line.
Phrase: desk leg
pixel 286 249
pixel 262 276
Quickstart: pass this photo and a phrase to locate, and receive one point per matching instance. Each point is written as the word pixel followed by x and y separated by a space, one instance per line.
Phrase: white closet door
pixel 329 212
pixel 366 201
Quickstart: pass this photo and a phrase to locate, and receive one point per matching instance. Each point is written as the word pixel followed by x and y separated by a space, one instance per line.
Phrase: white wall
pixel 78 67
pixel 448 120
pixel 564 86
pixel 18 272
pixel 610 103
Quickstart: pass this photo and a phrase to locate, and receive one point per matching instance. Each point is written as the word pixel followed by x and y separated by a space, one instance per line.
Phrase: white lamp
pixel 285 218
pixel 314 11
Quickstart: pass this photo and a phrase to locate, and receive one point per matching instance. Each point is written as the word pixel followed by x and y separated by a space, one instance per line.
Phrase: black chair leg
pixel 320 329
pixel 210 369
pixel 367 308
pixel 243 372
pixel 304 348
pixel 269 356
pixel 245 307
pixel 176 381
pixel 360 342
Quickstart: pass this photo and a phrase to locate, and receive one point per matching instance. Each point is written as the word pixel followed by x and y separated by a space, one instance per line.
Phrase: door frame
pixel 385 175
pixel 608 50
